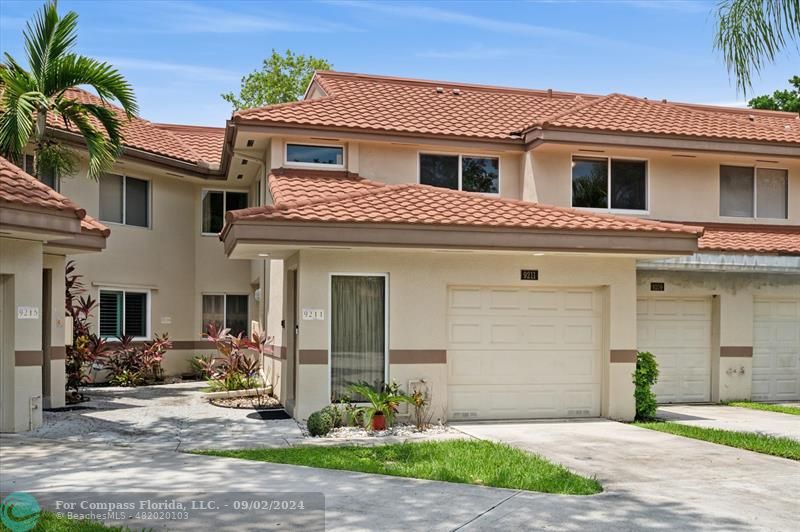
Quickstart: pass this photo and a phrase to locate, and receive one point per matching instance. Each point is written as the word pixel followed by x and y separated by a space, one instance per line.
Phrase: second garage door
pixel 678 332
pixel 524 353
pixel 776 350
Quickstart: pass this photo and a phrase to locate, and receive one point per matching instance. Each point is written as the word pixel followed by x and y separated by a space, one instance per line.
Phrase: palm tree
pixel 752 32
pixel 27 97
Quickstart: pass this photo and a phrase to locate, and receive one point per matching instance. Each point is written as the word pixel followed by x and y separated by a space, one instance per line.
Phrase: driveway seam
pixel 460 527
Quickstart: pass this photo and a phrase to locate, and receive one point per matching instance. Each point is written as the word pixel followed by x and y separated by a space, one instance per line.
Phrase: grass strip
pixel 783 409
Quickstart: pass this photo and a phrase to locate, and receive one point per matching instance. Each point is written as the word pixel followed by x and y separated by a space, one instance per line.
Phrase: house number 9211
pixel 529 275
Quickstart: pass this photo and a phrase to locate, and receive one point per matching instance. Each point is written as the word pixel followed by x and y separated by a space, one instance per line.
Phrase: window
pixel 48 177
pixel 750 192
pixel 124 200
pixel 460 172
pixel 225 310
pixel 123 313
pixel 216 203
pixel 358 331
pixel 595 180
pixel 305 154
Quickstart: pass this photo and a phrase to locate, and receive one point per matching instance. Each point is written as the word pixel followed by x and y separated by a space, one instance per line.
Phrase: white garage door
pixel 776 350
pixel 524 353
pixel 678 333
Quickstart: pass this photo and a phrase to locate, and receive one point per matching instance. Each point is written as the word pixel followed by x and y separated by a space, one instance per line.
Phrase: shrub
pixel 202 366
pixel 336 415
pixel 238 364
pixel 645 376
pixel 383 399
pixel 131 365
pixel 319 423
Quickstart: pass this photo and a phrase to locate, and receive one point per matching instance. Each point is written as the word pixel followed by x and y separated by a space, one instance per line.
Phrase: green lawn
pixel 49 522
pixel 793 410
pixel 464 461
pixel 752 441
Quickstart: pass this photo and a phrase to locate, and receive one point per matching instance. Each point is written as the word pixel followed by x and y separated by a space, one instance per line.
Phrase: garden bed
pixel 260 402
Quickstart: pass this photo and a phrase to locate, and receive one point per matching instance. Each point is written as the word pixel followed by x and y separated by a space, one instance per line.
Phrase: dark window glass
pixel 628 185
pixel 589 182
pixel 135 314
pixel 235 200
pixel 736 191
pixel 303 153
pixel 480 174
pixel 110 314
pixel 137 200
pixel 213 211
pixel 439 170
pixel 236 314
pixel 111 198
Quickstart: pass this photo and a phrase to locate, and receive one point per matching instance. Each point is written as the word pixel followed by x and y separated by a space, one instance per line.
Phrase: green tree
pixel 28 96
pixel 282 78
pixel 751 33
pixel 785 100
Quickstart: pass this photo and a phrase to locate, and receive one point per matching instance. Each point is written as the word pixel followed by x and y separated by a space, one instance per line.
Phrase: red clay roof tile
pixel 782 240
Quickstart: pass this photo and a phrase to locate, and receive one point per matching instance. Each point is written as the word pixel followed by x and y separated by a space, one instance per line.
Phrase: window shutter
pixel 136 314
pixel 110 314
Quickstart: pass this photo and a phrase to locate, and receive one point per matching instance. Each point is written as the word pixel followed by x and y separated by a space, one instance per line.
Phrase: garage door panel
pixel 524 353
pixel 678 332
pixel 776 349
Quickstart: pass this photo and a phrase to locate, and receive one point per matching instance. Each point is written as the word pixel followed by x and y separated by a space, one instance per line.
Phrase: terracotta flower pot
pixel 378 422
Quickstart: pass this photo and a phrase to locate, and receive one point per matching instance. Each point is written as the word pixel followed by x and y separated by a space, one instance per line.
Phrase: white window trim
pixel 295 164
pixel 125 203
pixel 124 290
pixel 225 307
pixel 224 204
pixel 331 275
pixel 460 156
pixel 755 216
pixel 609 209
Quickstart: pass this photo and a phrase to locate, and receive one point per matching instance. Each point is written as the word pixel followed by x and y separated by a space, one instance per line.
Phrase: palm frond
pixel 47 38
pixel 72 70
pixel 101 151
pixel 751 33
pixel 19 102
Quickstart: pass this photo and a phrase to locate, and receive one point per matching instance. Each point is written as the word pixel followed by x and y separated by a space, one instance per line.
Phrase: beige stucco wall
pixel 680 188
pixel 56 263
pixel 732 317
pixel 418 284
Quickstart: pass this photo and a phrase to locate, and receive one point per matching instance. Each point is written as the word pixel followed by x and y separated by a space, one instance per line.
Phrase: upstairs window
pixel 460 172
pixel 748 192
pixel 123 313
pixel 225 310
pixel 215 204
pixel 313 155
pixel 48 177
pixel 596 180
pixel 124 200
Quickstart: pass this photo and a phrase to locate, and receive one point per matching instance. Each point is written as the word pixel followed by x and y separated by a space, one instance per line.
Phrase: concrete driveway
pixel 691 484
pixel 733 418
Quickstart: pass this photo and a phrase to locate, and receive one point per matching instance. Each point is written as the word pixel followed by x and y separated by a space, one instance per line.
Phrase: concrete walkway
pixel 733 418
pixel 680 483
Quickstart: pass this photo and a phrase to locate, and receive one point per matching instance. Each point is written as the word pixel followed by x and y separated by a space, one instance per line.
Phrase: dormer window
pixel 315 155
pixel 470 173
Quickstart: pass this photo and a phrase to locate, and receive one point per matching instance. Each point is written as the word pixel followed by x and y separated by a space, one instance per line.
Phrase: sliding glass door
pixel 358 331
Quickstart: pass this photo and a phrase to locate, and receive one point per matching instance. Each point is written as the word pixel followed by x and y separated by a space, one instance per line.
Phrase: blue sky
pixel 180 55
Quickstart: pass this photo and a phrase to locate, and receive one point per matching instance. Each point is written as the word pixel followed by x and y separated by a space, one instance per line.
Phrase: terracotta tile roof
pixel 155 138
pixel 774 239
pixel 316 198
pixel 399 105
pixel 23 190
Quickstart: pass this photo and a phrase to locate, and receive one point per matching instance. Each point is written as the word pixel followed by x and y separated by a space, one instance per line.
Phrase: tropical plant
pixel 751 33
pixel 780 100
pixel 282 78
pixel 319 423
pixel 336 414
pixel 29 96
pixel 202 366
pixel 131 364
pixel 383 400
pixel 238 364
pixel 419 401
pixel 645 376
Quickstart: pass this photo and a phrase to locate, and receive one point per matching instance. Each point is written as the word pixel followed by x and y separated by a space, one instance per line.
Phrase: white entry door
pixel 678 332
pixel 776 350
pixel 524 353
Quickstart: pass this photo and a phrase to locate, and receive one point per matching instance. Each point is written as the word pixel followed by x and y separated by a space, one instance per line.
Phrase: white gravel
pixel 401 432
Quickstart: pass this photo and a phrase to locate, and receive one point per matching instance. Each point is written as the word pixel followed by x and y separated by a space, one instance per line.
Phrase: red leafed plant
pixel 238 364
pixel 131 364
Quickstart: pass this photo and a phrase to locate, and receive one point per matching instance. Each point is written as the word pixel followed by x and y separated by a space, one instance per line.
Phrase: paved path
pixel 657 480
pixel 733 418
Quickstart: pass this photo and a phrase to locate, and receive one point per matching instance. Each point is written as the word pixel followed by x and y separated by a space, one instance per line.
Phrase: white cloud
pixel 191 71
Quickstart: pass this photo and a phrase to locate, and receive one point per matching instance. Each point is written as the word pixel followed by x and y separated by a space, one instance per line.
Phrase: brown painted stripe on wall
pixel 623 356
pixel 58 352
pixel 313 356
pixel 744 351
pixel 28 358
pixel 417 356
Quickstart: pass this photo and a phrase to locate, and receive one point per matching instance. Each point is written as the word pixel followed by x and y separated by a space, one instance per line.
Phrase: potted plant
pixel 383 402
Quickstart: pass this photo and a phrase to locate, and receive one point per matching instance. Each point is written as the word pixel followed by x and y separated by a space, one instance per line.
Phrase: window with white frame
pixel 124 200
pixel 225 311
pixel 314 155
pixel 609 183
pixel 469 173
pixel 752 192
pixel 124 313
pixel 216 203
